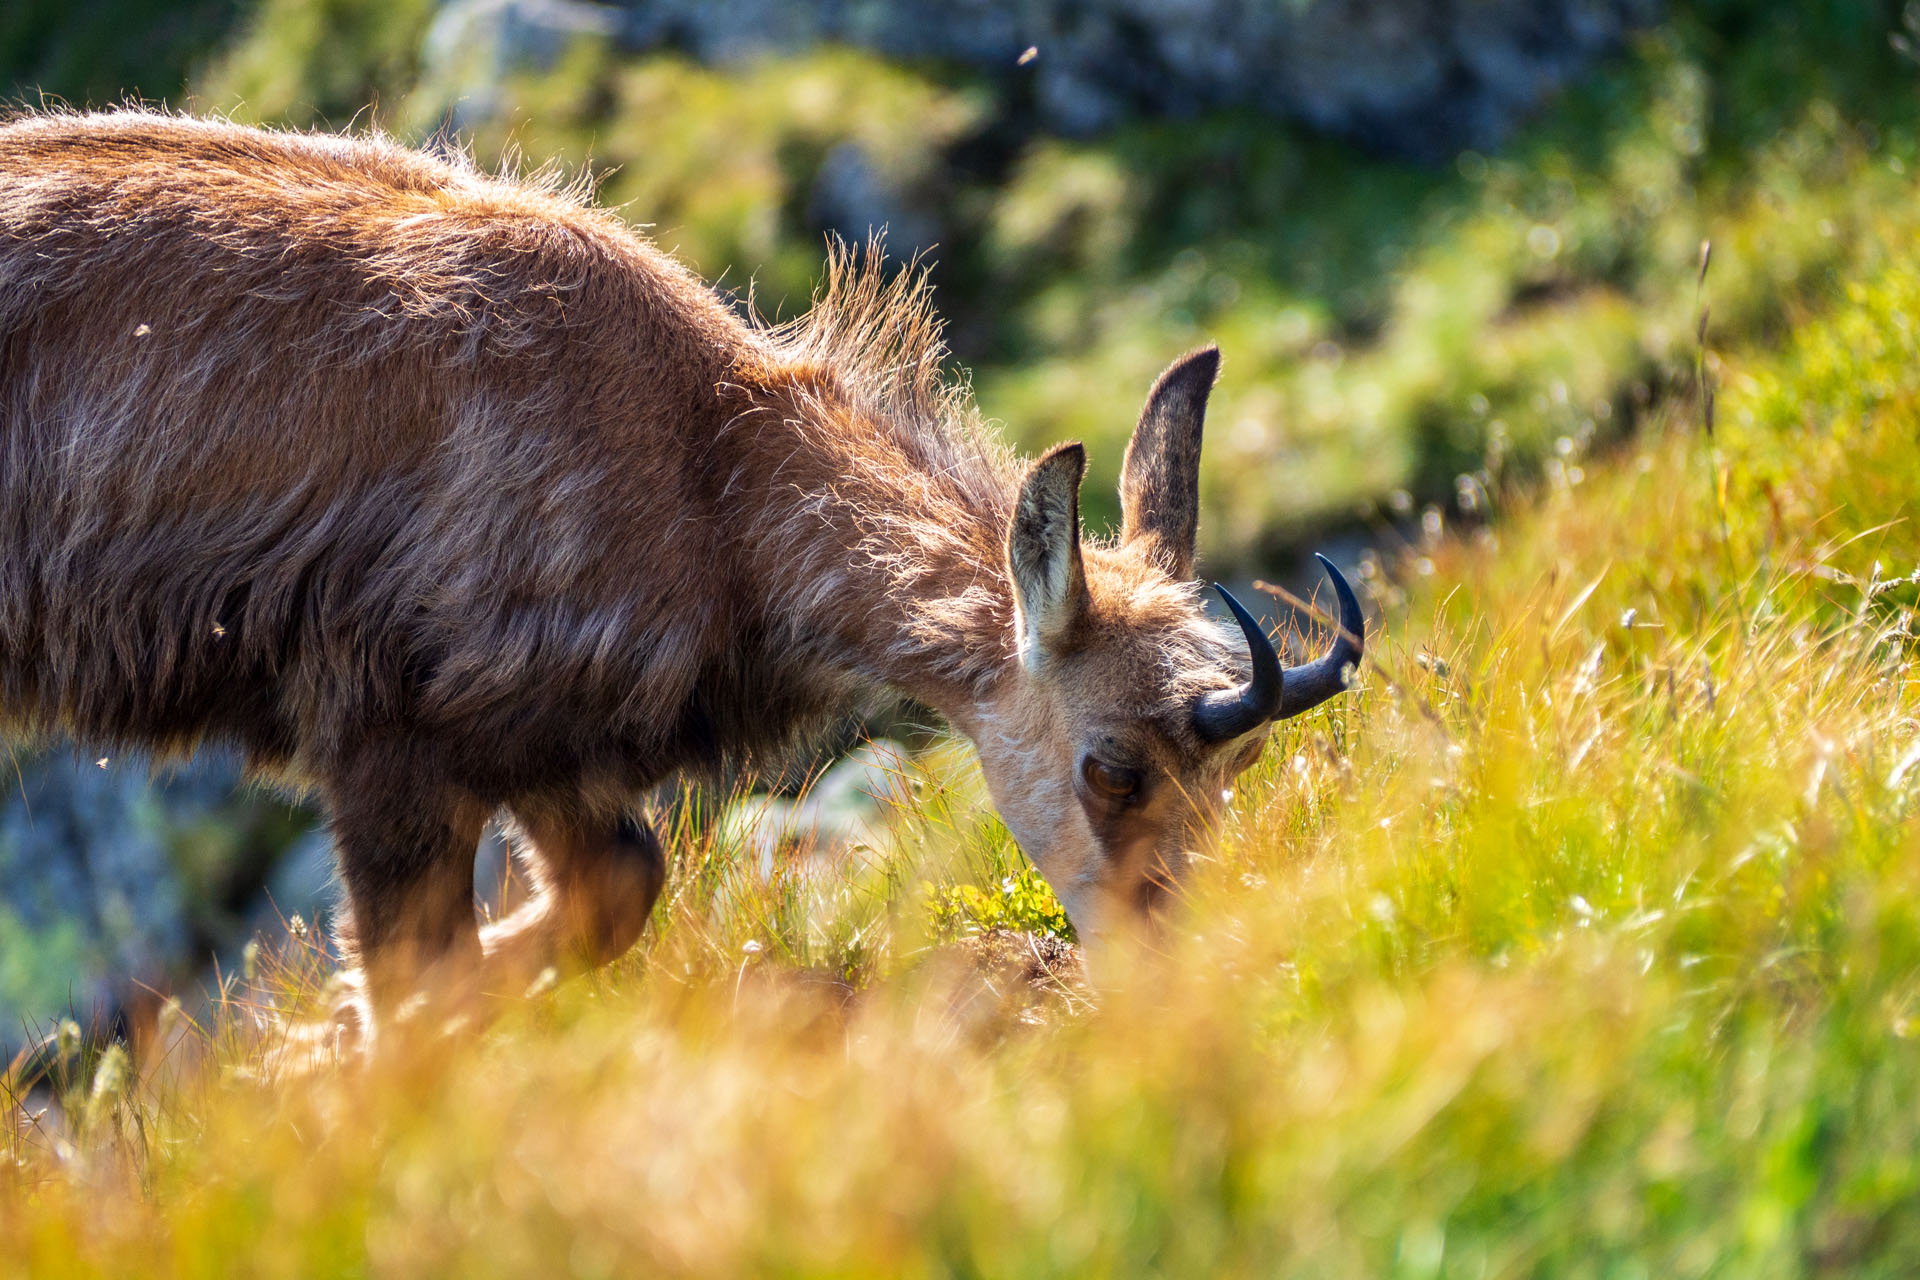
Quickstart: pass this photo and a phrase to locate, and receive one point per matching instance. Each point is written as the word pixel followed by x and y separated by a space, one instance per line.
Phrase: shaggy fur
pixel 442 493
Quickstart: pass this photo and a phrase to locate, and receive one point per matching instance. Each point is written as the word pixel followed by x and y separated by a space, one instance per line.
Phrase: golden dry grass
pixel 1583 938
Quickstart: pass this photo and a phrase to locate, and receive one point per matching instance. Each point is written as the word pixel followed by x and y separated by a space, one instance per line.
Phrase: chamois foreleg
pixel 406 844
pixel 594 886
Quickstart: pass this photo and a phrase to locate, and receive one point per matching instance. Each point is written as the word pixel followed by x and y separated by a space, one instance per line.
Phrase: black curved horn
pixel 1228 713
pixel 1312 683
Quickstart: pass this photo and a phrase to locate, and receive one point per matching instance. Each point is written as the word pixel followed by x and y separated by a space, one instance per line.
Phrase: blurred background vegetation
pixel 1417 317
pixel 1393 327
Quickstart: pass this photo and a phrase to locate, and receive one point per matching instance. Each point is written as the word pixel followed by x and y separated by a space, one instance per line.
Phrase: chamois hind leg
pixel 594 886
pixel 406 845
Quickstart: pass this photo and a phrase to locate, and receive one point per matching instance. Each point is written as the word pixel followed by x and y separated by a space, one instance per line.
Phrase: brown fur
pixel 442 493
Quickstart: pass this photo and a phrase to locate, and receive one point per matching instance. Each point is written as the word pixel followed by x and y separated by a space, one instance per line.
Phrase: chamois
pixel 442 494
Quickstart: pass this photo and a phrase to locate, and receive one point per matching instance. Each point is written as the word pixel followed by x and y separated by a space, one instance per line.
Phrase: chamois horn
pixel 1274 693
pixel 1228 713
pixel 1312 683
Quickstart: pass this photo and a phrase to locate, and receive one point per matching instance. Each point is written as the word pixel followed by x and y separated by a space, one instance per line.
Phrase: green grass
pixel 1582 939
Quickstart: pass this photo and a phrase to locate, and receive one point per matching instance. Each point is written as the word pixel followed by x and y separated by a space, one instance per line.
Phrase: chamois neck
pixel 882 537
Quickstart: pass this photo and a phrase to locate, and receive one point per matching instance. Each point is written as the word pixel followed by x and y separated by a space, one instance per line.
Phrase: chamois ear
pixel 1043 554
pixel 1160 480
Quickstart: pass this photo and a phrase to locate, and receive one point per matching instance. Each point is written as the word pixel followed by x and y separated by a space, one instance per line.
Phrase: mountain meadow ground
pixel 1580 938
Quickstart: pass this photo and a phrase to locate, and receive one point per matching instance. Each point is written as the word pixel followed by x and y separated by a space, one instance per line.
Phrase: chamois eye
pixel 1111 781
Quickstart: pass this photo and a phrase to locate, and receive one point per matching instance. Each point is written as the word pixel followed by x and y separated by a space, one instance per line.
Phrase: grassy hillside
pixel 1584 938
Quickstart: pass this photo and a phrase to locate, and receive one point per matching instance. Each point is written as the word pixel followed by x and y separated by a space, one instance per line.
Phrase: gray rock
pixel 856 198
pixel 848 805
pixel 513 33
pixel 1416 77
pixel 472 45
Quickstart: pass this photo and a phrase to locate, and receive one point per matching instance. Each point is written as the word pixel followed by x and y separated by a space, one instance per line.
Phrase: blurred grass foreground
pixel 1582 938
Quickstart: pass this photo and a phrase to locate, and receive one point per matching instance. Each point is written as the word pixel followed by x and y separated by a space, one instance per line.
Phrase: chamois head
pixel 1111 741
